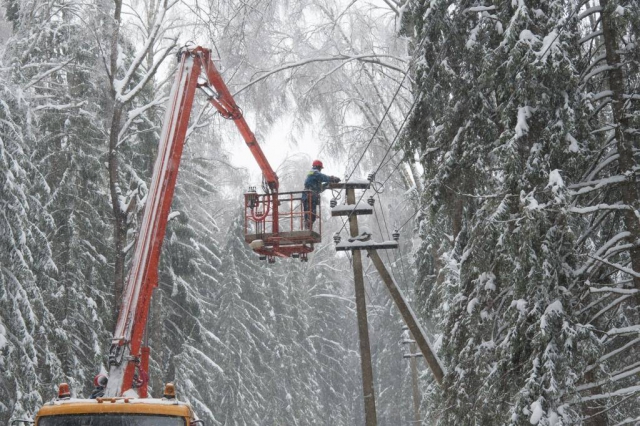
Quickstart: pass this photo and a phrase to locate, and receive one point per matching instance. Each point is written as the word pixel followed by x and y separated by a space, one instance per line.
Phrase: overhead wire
pixel 403 274
pixel 393 142
pixel 406 117
pixel 386 112
pixel 388 108
pixel 401 260
pixel 391 145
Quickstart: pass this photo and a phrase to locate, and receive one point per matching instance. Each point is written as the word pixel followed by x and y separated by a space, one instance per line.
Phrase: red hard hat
pixel 100 380
pixel 317 163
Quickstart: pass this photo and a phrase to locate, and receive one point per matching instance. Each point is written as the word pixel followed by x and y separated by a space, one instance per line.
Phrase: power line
pixel 407 221
pixel 393 142
pixel 406 117
pixel 388 108
pixel 384 218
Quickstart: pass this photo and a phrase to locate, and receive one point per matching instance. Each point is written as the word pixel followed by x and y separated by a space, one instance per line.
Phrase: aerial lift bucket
pixel 276 225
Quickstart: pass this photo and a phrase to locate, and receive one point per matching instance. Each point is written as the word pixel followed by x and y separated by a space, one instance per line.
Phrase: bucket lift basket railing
pixel 275 224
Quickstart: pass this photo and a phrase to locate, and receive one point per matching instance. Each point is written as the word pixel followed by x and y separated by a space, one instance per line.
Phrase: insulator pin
pixel 396 235
pixel 336 238
pixel 371 201
pixel 333 202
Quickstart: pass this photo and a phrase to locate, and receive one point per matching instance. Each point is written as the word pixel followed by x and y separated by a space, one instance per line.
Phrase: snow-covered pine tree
pixel 59 72
pixel 51 61
pixel 191 281
pixel 498 88
pixel 28 365
pixel 239 348
pixel 330 341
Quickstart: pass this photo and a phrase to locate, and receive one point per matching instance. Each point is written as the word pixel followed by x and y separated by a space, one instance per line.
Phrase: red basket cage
pixel 278 225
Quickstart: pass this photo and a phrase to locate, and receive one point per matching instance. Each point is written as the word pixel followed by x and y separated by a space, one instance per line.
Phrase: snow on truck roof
pixel 158 406
pixel 117 400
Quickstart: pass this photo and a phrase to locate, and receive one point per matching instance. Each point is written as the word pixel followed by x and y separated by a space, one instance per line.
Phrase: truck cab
pixel 120 411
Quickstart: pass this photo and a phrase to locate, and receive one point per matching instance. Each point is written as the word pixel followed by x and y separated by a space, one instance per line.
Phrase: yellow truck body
pixel 115 411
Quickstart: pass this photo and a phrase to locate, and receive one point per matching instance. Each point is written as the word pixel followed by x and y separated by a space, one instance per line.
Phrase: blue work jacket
pixel 315 180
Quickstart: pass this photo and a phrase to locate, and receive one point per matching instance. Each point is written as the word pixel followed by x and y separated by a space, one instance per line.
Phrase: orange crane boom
pixel 128 360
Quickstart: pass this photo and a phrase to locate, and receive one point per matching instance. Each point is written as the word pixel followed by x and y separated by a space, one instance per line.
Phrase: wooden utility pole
pixel 363 325
pixel 356 244
pixel 414 386
pixel 412 355
pixel 409 317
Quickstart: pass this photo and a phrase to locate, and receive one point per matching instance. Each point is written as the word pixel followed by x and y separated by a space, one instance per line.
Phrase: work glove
pixel 335 179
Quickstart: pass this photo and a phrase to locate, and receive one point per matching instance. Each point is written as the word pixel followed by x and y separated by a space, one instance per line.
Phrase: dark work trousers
pixel 310 201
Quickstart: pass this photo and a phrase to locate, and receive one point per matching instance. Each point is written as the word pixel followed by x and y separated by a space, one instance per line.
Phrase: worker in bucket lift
pixel 315 183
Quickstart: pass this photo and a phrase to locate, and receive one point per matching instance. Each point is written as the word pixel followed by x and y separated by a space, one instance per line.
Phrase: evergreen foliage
pixel 50 133
pixel 505 138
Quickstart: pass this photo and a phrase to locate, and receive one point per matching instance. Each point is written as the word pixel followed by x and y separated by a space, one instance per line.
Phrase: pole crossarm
pixel 409 318
pixel 366 245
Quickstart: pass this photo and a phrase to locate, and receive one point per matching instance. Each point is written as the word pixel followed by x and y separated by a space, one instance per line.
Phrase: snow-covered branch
pixel 599 182
pixel 599 207
pixel 586 187
pixel 613 290
pixel 44 74
pixel 632 329
pixel 135 113
pixel 120 85
pixel 618 267
pixel 58 107
pixel 610 306
pixel 589 11
pixel 590 36
pixel 608 249
pixel 365 58
pixel 612 378
pixel 620 392
pixel 628 421
pixel 124 98
pixel 476 9
pixel 598 70
pixel 612 354
pixel 598 167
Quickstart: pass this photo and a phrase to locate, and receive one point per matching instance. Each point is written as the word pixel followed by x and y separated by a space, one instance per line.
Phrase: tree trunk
pixel 119 217
pixel 624 143
pixel 593 410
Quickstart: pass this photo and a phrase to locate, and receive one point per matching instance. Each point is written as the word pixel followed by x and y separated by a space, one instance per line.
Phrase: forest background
pixel 504 136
